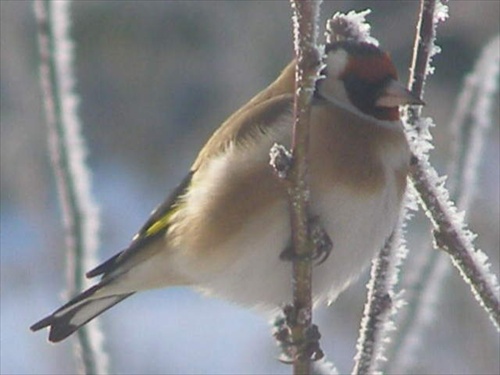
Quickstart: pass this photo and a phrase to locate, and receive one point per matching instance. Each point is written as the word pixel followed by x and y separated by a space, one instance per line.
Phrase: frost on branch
pixel 280 159
pixel 431 14
pixel 350 26
pixel 382 303
pixel 452 235
pixel 308 58
pixel 480 88
pixel 451 231
pixel 440 15
pixel 68 153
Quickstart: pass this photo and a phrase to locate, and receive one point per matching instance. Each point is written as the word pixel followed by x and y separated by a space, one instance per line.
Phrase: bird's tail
pixel 77 312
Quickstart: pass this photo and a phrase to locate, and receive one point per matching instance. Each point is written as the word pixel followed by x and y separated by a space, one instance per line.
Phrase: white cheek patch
pixel 395 156
pixel 336 63
pixel 331 87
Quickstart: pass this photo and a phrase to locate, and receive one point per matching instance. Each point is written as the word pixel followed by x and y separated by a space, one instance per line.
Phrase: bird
pixel 224 229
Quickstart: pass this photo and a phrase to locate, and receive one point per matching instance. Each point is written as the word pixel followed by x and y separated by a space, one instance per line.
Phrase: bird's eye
pixel 361 92
pixel 363 95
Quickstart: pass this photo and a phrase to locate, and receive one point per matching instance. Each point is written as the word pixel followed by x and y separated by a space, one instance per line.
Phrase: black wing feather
pixel 60 320
pixel 142 238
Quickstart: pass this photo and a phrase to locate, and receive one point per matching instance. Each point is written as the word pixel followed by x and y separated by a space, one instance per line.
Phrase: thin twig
pixel 475 99
pixel 450 233
pixel 422 52
pixel 67 151
pixel 305 19
pixel 382 302
pixel 457 241
pixel 377 309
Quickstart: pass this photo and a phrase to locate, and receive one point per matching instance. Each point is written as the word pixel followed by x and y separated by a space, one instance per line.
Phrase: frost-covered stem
pixel 422 298
pixel 67 152
pixel 422 52
pixel 305 23
pixel 376 310
pixel 381 304
pixel 448 234
pixel 423 49
pixel 476 98
pixel 455 242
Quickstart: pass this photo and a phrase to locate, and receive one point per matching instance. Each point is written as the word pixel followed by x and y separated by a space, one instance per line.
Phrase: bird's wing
pixel 259 113
pixel 152 230
pixel 253 118
pixel 97 299
pixel 245 125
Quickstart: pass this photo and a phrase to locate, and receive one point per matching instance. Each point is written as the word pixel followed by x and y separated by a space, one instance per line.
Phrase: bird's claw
pixel 308 347
pixel 323 245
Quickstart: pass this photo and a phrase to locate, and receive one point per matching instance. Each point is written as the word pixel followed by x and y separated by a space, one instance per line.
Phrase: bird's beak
pixel 395 94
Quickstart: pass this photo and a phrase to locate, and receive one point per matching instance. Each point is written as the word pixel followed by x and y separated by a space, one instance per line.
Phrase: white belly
pixel 357 223
pixel 358 227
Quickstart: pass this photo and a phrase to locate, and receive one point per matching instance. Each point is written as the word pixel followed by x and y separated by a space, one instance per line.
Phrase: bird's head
pixel 362 77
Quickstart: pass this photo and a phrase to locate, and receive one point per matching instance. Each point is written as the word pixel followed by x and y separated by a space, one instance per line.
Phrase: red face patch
pixel 371 68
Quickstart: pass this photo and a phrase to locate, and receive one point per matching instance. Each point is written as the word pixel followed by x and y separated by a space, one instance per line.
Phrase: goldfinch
pixel 224 227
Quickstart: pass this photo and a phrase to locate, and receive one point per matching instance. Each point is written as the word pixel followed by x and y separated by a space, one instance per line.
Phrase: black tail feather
pixel 76 313
pixel 104 267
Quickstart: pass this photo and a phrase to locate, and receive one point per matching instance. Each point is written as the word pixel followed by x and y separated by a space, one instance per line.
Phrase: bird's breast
pixel 351 151
pixel 235 220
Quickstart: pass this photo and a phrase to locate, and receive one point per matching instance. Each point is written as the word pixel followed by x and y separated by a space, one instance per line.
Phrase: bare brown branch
pixel 305 17
pixel 422 51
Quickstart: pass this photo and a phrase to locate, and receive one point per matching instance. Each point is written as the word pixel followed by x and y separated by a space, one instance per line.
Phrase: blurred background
pixel 155 79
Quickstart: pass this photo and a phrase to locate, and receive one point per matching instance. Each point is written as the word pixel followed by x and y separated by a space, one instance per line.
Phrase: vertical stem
pixel 476 99
pixel 66 147
pixel 422 51
pixel 450 233
pixel 308 61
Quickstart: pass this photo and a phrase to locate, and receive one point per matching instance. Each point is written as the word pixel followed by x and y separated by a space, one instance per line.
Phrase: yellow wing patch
pixel 161 224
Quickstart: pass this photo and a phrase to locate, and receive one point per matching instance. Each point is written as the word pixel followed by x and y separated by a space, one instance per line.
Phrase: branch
pixel 424 49
pixel 381 303
pixel 475 99
pixel 67 152
pixel 450 232
pixel 452 236
pixel 299 317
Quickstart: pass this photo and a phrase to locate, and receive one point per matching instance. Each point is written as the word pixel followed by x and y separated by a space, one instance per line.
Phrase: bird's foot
pixel 308 347
pixel 323 245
